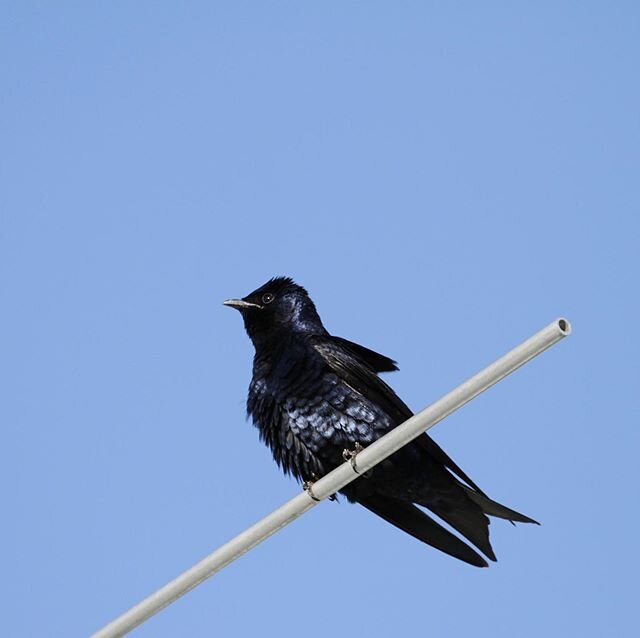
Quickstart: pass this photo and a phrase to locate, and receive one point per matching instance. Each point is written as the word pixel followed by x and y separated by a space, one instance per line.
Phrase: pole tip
pixel 565 326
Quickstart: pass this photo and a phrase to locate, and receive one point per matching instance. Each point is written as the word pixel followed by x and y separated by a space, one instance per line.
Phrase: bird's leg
pixel 350 455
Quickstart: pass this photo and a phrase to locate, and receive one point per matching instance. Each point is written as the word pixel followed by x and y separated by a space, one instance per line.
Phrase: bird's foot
pixel 306 486
pixel 350 455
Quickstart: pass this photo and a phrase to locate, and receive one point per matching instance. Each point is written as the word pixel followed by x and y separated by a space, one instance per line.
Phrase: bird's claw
pixel 306 486
pixel 350 455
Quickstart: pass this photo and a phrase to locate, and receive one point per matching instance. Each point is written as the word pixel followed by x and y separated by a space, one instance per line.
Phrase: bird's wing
pixel 414 521
pixel 428 444
pixel 358 373
pixel 376 361
pixel 343 357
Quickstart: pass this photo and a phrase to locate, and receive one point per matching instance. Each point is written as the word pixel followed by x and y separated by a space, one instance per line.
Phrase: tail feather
pixel 496 509
pixel 467 518
pixel 414 521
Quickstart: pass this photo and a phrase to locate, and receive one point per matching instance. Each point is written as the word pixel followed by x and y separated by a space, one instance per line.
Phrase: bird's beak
pixel 241 304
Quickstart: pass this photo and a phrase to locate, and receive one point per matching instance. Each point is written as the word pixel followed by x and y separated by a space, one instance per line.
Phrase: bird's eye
pixel 267 297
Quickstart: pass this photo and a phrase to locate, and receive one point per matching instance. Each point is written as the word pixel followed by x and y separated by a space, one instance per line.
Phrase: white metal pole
pixel 337 479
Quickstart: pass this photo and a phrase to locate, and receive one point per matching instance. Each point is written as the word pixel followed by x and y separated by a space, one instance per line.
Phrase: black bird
pixel 313 396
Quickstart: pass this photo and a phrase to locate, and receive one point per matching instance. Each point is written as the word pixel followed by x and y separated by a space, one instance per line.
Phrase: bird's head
pixel 276 308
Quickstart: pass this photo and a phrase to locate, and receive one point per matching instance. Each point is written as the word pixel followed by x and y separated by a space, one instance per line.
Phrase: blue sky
pixel 445 179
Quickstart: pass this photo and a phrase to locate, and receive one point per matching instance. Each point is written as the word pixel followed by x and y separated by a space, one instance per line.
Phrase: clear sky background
pixel 445 179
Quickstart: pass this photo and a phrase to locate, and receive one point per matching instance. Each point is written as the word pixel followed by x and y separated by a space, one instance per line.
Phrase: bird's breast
pixel 311 426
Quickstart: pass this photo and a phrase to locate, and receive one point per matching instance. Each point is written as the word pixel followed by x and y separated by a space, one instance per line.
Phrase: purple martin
pixel 313 396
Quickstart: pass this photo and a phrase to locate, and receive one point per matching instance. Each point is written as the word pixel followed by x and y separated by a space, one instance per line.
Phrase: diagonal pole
pixel 337 479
